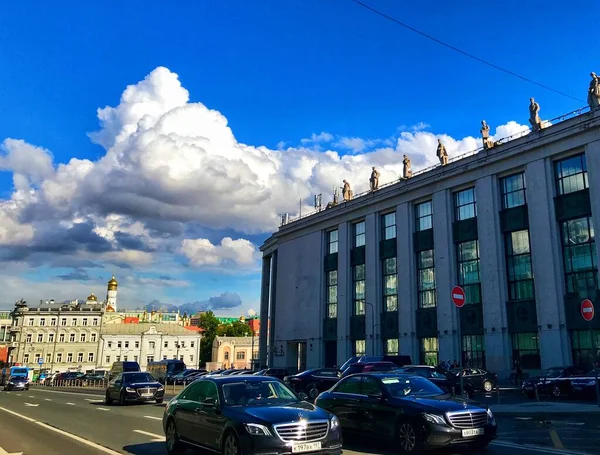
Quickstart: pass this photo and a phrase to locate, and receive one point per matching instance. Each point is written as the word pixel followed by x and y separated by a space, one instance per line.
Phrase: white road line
pixel 103 409
pixel 533 448
pixel 97 395
pixel 4 452
pixel 31 404
pixel 64 433
pixel 153 418
pixel 18 394
pixel 523 418
pixel 31 396
pixel 70 404
pixel 576 423
pixel 47 399
pixel 155 437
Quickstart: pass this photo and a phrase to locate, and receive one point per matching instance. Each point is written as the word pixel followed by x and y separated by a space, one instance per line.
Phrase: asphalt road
pixel 52 422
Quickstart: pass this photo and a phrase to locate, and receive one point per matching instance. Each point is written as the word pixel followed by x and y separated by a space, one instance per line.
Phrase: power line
pixel 460 51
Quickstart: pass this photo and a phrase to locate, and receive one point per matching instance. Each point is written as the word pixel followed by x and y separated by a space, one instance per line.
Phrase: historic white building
pixel 233 352
pixel 512 224
pixel 148 342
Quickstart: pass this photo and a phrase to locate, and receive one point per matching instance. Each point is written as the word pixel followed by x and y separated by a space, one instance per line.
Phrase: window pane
pixel 389 266
pixel 359 272
pixel 391 303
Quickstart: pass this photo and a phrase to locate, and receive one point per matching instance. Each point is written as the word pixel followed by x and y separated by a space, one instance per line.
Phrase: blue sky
pixel 279 72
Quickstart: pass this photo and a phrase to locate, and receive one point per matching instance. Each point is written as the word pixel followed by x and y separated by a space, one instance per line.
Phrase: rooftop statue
pixel 534 115
pixel 406 170
pixel 485 135
pixel 347 191
pixel 442 154
pixel 593 97
pixel 374 180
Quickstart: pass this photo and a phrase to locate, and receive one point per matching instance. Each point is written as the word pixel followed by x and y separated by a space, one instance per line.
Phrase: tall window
pixel 579 255
pixel 571 174
pixel 426 279
pixel 388 226
pixel 513 191
pixel 464 204
pixel 358 291
pixel 429 351
pixel 332 293
pixel 391 346
pixel 359 234
pixel 424 216
pixel 526 349
pixel 359 348
pixel 332 242
pixel 473 351
pixel 468 270
pixel 585 347
pixel 518 265
pixel 390 285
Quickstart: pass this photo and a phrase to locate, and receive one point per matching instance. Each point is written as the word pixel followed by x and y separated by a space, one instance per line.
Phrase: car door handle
pixel 198 410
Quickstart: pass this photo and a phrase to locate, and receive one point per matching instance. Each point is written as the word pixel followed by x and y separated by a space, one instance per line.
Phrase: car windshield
pixel 410 386
pixel 257 393
pixel 552 373
pixel 594 373
pixel 20 371
pixel 17 379
pixel 137 377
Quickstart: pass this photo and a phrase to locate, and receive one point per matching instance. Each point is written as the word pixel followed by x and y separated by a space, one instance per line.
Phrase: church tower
pixel 111 295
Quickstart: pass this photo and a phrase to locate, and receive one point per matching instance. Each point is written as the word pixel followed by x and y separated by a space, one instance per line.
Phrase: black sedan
pixel 407 409
pixel 17 383
pixel 478 378
pixel 248 415
pixel 134 387
pixel 584 385
pixel 555 381
pixel 310 383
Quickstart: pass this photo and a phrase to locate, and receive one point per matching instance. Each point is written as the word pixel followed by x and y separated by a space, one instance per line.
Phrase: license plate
pixel 577 387
pixel 147 394
pixel 300 447
pixel 472 432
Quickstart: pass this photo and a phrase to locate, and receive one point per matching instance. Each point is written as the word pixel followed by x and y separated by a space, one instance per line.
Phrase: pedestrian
pixel 518 373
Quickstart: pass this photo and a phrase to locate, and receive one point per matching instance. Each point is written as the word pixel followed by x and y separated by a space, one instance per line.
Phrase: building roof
pixel 138 329
pixel 237 340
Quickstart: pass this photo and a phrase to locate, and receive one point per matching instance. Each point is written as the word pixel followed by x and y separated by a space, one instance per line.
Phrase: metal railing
pixel 561 118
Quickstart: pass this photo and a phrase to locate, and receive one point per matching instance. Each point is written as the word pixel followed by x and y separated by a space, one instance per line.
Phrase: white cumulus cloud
pixel 201 252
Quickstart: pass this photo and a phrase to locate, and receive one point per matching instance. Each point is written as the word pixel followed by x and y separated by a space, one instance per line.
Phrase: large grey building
pixel 513 225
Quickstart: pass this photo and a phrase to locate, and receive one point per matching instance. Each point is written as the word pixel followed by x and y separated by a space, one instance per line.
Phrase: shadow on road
pixel 356 444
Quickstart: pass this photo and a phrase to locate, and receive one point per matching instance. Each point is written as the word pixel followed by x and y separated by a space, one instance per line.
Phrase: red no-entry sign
pixel 587 310
pixel 458 296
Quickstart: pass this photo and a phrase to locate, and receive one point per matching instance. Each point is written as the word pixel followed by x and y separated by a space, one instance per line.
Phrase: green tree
pixel 235 329
pixel 209 325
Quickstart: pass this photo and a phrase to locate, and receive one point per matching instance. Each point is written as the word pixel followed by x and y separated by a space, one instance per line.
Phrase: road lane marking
pixel 533 448
pixel 153 418
pixel 18 394
pixel 64 433
pixel 4 452
pixel 31 396
pixel 556 440
pixel 97 395
pixel 103 409
pixel 70 404
pixel 523 418
pixel 47 399
pixel 31 404
pixel 155 437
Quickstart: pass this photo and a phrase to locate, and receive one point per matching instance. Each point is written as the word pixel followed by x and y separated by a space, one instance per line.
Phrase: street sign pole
pixel 458 298
pixel 587 313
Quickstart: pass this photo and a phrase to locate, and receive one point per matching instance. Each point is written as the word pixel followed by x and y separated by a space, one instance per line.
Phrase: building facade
pixel 234 352
pixel 57 337
pixel 5 325
pixel 513 225
pixel 145 343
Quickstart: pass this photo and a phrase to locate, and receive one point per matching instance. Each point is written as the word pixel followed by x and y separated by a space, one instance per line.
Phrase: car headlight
pixel 160 387
pixel 129 390
pixel 257 430
pixel 490 414
pixel 434 418
pixel 335 423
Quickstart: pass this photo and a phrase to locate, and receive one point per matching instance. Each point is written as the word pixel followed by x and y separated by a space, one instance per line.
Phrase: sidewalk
pixel 543 409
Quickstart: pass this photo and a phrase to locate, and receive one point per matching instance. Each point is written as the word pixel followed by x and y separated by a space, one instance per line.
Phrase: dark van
pixel 122 367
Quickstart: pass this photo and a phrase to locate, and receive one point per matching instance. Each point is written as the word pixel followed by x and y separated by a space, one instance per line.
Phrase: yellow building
pixel 233 352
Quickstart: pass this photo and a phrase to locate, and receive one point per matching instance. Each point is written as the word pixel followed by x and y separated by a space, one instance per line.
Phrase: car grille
pixel 468 419
pixel 305 431
pixel 146 391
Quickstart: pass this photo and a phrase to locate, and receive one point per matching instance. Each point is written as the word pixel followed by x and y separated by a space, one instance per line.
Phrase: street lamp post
pixel 372 325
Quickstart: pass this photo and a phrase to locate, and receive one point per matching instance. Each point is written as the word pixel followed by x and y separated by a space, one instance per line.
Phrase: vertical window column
pixel 357 264
pixel 389 271
pixel 331 297
pixel 426 313
pixel 465 235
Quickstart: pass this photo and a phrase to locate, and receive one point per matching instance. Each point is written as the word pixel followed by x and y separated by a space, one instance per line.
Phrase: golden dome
pixel 112 284
pixel 110 309
pixel 92 297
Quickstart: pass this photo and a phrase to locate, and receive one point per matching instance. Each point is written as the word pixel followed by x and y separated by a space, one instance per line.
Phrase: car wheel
pixel 159 401
pixel 231 445
pixel 556 391
pixel 408 438
pixel 488 386
pixel 122 400
pixel 107 399
pixel 174 445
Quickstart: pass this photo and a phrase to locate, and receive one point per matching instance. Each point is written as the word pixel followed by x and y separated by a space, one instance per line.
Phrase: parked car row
pixel 561 381
pixel 233 414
